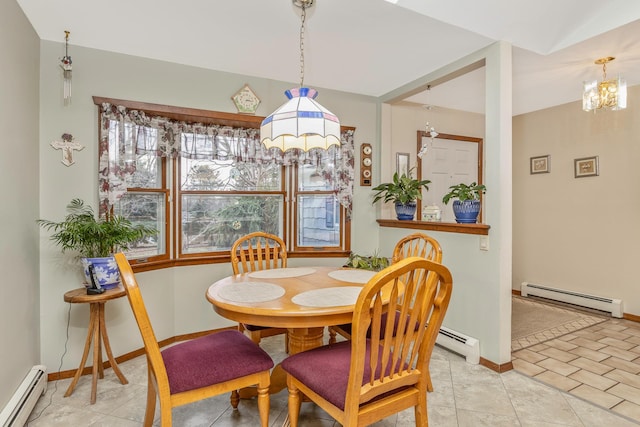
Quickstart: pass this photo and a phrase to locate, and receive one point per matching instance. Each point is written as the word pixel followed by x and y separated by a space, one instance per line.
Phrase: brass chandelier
pixel 608 94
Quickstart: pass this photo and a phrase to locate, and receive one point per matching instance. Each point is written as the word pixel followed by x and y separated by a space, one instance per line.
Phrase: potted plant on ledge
pixel 403 191
pixel 467 206
pixel 95 239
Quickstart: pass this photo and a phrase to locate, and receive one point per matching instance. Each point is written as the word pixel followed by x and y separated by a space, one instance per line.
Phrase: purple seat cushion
pixel 213 359
pixel 325 370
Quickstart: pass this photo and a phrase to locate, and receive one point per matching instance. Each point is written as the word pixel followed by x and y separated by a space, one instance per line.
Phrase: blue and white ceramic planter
pixel 466 212
pixel 106 271
pixel 406 211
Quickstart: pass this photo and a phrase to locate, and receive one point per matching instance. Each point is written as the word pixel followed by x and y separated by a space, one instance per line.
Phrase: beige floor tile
pixel 596 396
pixel 614 342
pixel 635 349
pixel 567 337
pixel 590 354
pixel 529 356
pixel 557 354
pixel 619 353
pixel 624 377
pixel 590 335
pixel 628 409
pixel 633 330
pixel 538 347
pixel 591 345
pixel 626 392
pixel 613 326
pixel 591 366
pixel 625 365
pixel 618 335
pixel 591 417
pixel 596 381
pixel 527 368
pixel 561 345
pixel 558 367
pixel 559 381
pixel 634 339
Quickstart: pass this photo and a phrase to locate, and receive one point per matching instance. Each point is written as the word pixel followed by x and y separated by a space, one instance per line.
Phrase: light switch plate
pixel 484 243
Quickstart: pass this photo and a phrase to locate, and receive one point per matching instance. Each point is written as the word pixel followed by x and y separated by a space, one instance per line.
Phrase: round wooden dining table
pixel 301 299
pixel 304 300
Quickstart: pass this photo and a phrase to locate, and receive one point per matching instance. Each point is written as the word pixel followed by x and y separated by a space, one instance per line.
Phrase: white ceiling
pixel 369 47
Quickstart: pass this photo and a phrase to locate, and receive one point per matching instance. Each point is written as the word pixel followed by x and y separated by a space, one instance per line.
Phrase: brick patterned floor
pixel 600 363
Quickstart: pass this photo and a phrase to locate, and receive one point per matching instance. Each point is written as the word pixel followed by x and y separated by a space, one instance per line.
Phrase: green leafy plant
pixel 94 237
pixel 403 189
pixel 373 262
pixel 464 192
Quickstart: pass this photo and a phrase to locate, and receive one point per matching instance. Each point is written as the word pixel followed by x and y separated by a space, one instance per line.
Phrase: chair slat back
pixel 151 346
pixel 417 244
pixel 258 251
pixel 419 290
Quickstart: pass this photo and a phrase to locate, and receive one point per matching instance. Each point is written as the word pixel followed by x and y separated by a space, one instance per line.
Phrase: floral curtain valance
pixel 126 133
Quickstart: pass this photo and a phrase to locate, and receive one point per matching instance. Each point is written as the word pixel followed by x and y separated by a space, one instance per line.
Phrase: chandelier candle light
pixel 611 94
pixel 301 123
pixel 431 131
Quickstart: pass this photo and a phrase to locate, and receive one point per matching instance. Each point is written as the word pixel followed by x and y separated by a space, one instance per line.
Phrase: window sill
pixel 448 227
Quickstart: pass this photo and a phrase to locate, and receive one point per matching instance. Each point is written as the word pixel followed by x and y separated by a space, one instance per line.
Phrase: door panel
pixel 449 160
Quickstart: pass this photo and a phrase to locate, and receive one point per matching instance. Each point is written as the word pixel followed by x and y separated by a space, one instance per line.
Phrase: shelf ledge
pixel 447 227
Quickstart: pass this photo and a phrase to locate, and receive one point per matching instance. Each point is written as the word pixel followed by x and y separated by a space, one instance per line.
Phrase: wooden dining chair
pixel 377 374
pixel 417 244
pixel 194 370
pixel 253 252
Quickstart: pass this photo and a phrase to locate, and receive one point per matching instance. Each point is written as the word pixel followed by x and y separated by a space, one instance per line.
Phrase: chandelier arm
pixel 302 28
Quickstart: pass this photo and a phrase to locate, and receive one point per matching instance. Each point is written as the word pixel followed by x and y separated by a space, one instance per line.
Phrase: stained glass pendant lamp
pixel 608 94
pixel 301 122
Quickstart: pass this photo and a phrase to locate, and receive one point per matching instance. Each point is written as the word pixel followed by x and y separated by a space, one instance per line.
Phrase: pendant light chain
pixel 304 18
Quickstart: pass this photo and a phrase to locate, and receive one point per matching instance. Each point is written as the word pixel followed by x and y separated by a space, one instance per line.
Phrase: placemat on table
pixel 251 292
pixel 328 297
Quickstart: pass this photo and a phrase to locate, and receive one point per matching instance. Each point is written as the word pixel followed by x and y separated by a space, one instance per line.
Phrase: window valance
pixel 126 133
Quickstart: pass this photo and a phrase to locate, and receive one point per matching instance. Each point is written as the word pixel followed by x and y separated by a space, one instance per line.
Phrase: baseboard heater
pixel 19 407
pixel 459 343
pixel 609 305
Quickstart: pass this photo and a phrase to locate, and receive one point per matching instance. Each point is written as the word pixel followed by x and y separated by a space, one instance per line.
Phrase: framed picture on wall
pixel 586 166
pixel 402 163
pixel 539 164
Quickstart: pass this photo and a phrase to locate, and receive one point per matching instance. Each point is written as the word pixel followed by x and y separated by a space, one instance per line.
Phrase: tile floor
pixel 465 395
pixel 600 363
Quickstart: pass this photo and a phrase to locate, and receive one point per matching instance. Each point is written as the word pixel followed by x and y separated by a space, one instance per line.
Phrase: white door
pixel 448 162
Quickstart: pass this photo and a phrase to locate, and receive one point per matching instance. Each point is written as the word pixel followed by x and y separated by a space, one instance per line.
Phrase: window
pixel 204 179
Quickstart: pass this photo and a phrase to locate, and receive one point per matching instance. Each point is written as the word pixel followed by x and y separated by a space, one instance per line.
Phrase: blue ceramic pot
pixel 106 271
pixel 406 211
pixel 466 212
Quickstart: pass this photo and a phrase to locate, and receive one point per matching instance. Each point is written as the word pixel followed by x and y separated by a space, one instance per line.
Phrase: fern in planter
pixel 95 239
pixel 403 191
pixel 467 206
pixel 373 262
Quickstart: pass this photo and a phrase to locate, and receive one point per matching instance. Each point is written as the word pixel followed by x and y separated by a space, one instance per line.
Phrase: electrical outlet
pixel 484 243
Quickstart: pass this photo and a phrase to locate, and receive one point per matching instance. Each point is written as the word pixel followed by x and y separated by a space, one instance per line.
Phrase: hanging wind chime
pixel 65 64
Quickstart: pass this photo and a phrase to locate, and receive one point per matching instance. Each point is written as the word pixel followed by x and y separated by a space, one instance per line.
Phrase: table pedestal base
pixel 98 334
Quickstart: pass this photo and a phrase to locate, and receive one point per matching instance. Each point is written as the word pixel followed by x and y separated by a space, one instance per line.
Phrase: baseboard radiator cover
pixel 19 407
pixel 608 305
pixel 459 343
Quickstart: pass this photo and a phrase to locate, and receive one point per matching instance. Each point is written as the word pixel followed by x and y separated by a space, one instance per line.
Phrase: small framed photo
pixel 586 166
pixel 402 163
pixel 540 164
